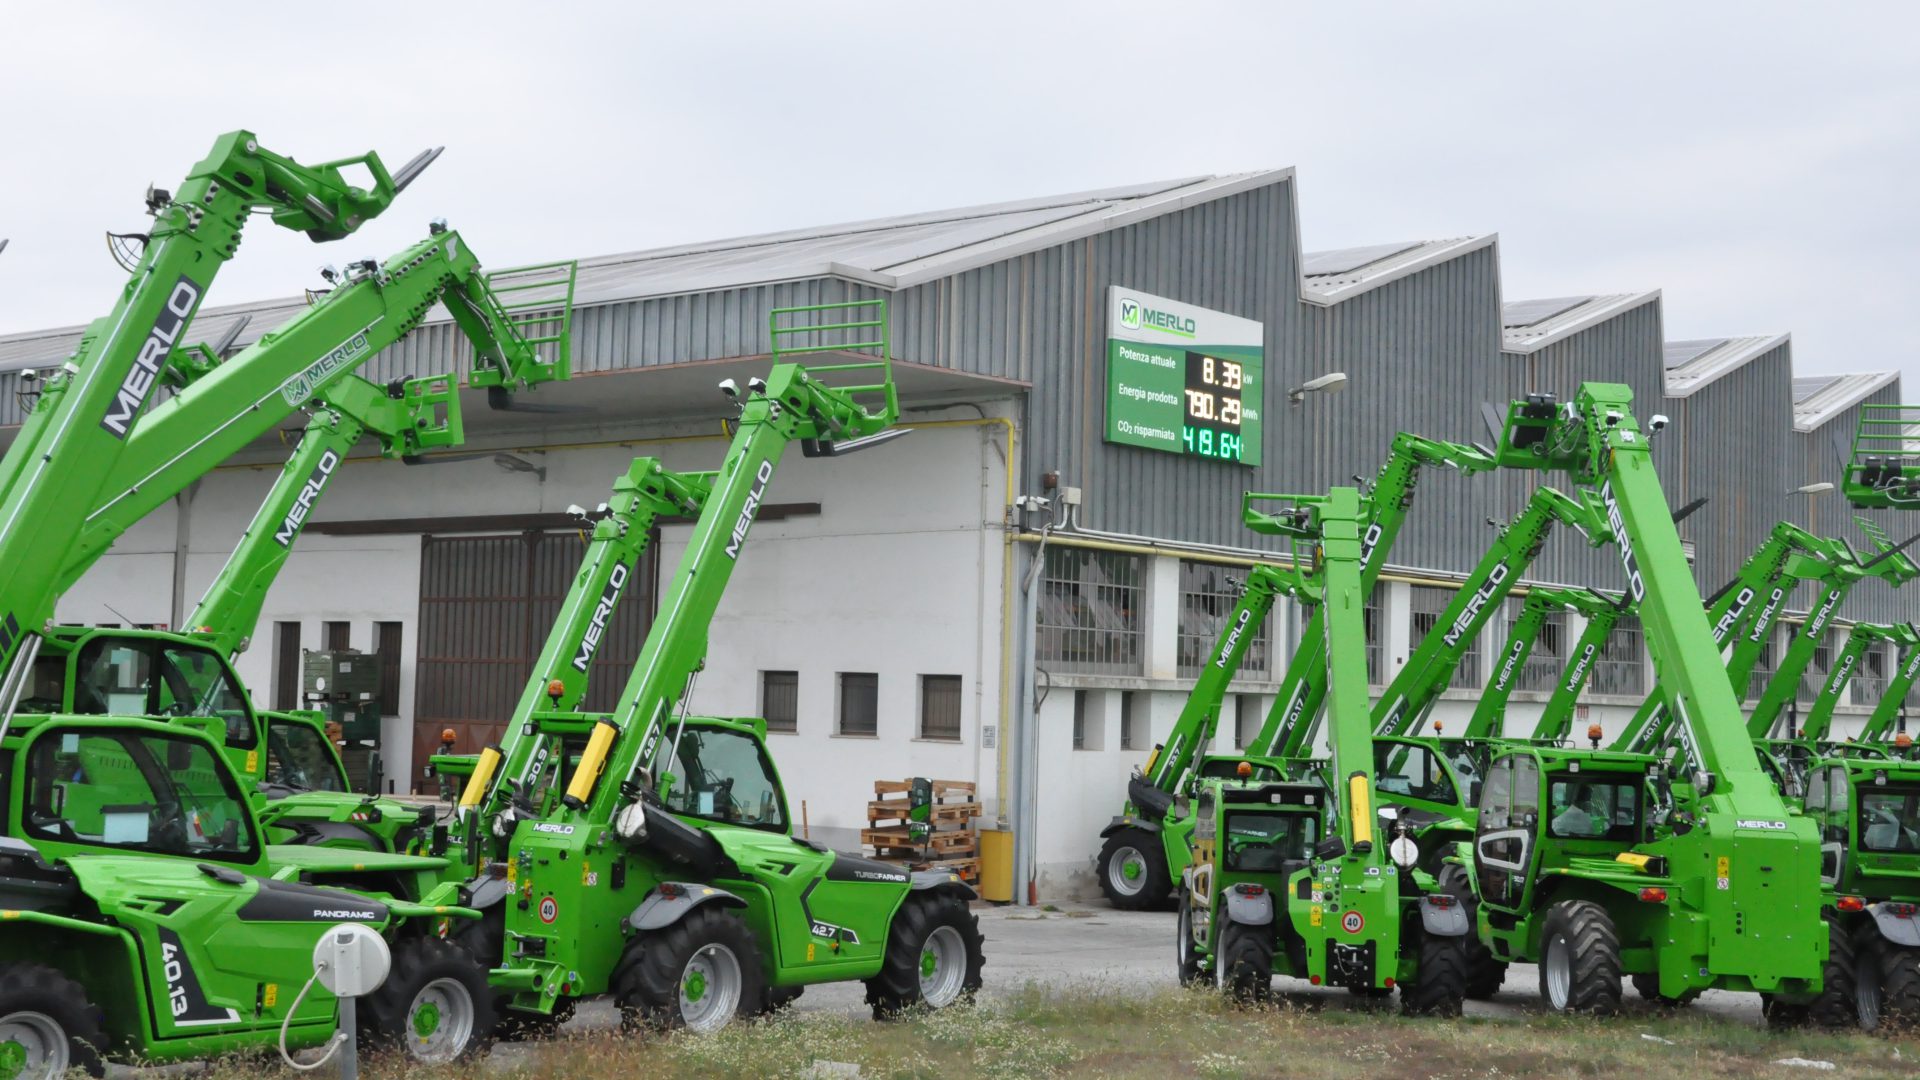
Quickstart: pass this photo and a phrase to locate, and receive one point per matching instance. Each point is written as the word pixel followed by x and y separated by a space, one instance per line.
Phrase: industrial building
pixel 883 622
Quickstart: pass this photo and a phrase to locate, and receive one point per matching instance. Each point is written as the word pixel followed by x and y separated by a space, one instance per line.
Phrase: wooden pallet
pixel 950 843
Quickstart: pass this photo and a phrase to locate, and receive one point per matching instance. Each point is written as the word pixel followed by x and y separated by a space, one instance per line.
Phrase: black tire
pixel 1900 988
pixel 1243 966
pixel 419 1008
pixel 648 981
pixel 1580 935
pixel 923 965
pixel 1838 1005
pixel 484 939
pixel 1186 958
pixel 1151 888
pixel 1486 973
pixel 45 1002
pixel 1440 986
pixel 1647 985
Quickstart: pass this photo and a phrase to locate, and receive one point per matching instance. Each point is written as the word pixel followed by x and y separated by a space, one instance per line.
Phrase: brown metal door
pixel 486 606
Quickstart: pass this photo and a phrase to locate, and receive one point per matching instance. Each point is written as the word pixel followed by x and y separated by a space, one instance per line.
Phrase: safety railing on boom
pixel 1884 469
pixel 853 335
pixel 537 302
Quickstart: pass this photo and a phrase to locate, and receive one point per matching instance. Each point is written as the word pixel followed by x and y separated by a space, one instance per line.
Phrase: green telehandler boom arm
pixel 1889 716
pixel 1292 723
pixel 313 356
pixel 1862 637
pixel 513 778
pixel 1556 719
pixel 1404 705
pixel 1744 612
pixel 1597 442
pixel 794 404
pixel 1152 791
pixel 1489 716
pixel 1783 688
pixel 87 417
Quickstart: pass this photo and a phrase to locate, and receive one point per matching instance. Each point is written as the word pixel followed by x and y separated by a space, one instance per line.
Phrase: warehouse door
pixel 486 605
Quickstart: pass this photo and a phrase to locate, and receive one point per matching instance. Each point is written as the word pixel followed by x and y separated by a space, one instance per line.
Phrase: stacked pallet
pixel 946 841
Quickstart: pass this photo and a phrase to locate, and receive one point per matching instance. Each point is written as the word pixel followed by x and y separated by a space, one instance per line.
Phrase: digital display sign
pixel 1183 379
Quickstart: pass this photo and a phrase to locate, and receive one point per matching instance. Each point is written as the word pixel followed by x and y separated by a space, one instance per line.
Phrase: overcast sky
pixel 1753 160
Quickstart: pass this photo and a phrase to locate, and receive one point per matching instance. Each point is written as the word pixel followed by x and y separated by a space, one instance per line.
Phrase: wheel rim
pixel 1183 948
pixel 943 967
pixel 1559 969
pixel 32 1044
pixel 440 1021
pixel 1128 871
pixel 1866 992
pixel 710 988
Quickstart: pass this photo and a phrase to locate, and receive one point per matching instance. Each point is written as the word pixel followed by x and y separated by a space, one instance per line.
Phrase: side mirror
pixel 1333 847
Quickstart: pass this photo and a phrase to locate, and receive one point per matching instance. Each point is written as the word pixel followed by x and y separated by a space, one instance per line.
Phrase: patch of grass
pixel 1041 1032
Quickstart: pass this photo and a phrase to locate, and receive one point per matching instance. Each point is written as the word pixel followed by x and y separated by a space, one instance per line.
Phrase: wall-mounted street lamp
pixel 1330 383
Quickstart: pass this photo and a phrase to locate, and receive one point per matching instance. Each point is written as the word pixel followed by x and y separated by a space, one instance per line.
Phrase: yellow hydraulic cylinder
pixel 483 771
pixel 592 761
pixel 1360 793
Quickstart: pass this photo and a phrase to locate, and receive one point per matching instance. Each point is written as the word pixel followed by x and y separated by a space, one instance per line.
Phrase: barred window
pixel 1870 679
pixel 1764 667
pixel 780 700
pixel 1428 602
pixel 1549 656
pixel 859 703
pixel 940 697
pixel 1375 615
pixel 1815 675
pixel 1620 667
pixel 1208 596
pixel 1090 612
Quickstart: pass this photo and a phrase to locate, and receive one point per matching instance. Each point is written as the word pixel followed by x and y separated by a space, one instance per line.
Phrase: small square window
pixel 780 700
pixel 1133 721
pixel 940 697
pixel 859 703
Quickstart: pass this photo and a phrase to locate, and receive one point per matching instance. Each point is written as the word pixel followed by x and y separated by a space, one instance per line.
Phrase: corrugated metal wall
pixel 1732 452
pixel 1820 455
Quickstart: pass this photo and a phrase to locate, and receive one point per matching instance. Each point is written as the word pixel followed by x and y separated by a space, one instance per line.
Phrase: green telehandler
pixel 163 926
pixel 666 873
pixel 1145 847
pixel 1685 870
pixel 1352 916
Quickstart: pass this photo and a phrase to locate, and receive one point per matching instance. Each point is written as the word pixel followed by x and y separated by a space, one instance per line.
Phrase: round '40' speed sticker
pixel 1352 922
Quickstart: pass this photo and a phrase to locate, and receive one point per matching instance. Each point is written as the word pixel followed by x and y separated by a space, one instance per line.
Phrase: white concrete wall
pixel 900 574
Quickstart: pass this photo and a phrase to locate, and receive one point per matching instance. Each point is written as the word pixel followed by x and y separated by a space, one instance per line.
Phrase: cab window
pixel 1411 770
pixel 1266 840
pixel 724 776
pixel 143 791
pixel 1581 808
pixel 1890 818
pixel 299 757
pixel 152 677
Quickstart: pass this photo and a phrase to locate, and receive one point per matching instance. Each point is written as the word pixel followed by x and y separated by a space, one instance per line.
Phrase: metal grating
pixel 1090 612
pixel 1621 666
pixel 486 606
pixel 1208 595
